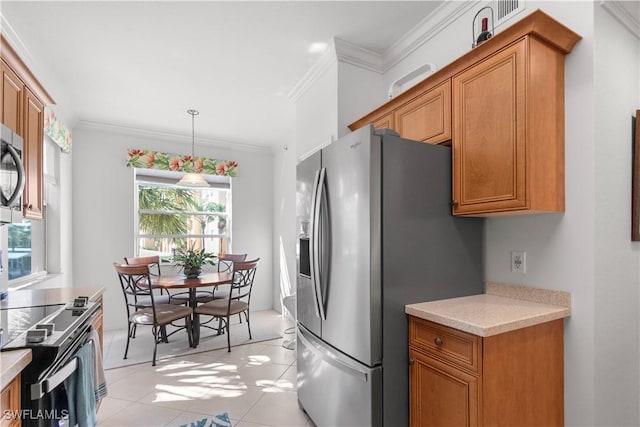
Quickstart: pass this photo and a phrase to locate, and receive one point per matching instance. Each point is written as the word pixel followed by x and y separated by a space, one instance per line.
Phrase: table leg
pixel 195 324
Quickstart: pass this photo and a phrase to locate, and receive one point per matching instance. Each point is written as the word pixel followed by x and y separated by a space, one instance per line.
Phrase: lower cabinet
pixel 511 379
pixel 10 401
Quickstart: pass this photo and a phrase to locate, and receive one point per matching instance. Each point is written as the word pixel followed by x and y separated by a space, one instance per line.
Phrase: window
pixel 170 217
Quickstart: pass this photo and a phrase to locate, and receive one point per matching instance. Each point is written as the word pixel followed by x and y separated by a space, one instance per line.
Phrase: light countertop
pixel 49 296
pixel 11 364
pixel 490 314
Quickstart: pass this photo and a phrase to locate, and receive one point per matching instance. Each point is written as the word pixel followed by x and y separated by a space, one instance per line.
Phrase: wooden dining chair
pixel 135 281
pixel 153 261
pixel 225 264
pixel 238 300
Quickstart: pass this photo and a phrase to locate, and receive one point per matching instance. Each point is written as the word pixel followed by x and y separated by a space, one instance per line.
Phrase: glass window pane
pixel 19 250
pixel 172 218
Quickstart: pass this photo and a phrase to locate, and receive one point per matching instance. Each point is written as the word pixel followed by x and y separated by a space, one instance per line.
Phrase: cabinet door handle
pixel 454 203
pixel 411 361
pixel 28 206
pixel 438 341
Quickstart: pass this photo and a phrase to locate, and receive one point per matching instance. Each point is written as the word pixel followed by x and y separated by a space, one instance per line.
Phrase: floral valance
pixel 56 130
pixel 149 159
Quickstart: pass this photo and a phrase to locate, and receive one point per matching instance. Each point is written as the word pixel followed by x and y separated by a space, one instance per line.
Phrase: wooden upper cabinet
pixel 23 100
pixel 385 122
pixel 420 113
pixel 489 148
pixel 12 99
pixel 427 118
pixel 508 132
pixel 32 157
pixel 501 108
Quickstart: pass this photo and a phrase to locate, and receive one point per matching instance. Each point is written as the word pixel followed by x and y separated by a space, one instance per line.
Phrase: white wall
pixel 617 259
pixel 358 89
pixel 103 210
pixel 284 220
pixel 317 112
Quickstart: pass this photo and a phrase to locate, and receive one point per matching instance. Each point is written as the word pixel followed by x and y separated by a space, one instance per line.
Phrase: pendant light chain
pixel 193 179
pixel 193 113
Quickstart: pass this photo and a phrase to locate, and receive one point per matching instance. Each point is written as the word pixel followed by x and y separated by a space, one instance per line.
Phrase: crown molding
pixel 425 30
pixel 343 51
pixel 358 56
pixel 167 136
pixel 619 12
pixel 326 59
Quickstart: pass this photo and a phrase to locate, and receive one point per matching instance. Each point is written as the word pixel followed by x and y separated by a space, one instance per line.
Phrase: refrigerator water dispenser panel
pixel 305 261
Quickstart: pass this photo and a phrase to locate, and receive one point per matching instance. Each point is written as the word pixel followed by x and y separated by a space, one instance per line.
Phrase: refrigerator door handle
pixel 317 243
pixel 332 358
pixel 313 239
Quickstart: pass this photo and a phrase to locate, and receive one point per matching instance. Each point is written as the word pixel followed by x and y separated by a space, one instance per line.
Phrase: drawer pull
pixel 438 341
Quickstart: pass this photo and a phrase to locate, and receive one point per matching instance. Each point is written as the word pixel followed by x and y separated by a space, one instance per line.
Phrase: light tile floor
pixel 255 384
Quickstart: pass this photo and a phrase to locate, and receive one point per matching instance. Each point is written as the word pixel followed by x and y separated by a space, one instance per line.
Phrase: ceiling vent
pixel 505 9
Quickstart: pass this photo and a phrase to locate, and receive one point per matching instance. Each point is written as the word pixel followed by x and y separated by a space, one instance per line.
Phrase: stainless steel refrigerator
pixel 375 233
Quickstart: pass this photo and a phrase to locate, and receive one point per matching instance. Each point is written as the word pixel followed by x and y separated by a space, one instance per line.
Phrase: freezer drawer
pixel 335 390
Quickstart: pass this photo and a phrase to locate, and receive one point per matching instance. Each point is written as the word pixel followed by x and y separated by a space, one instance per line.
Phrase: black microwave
pixel 12 175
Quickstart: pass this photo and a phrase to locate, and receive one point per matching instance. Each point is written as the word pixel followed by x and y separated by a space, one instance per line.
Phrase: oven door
pixel 12 179
pixel 46 400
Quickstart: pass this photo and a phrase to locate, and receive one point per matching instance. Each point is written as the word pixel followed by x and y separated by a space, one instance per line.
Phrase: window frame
pixel 169 179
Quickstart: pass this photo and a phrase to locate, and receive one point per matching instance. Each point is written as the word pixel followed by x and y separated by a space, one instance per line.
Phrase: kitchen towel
pixel 100 387
pixel 80 389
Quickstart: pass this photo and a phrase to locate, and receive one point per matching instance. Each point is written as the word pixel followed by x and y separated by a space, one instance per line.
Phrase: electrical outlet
pixel 519 262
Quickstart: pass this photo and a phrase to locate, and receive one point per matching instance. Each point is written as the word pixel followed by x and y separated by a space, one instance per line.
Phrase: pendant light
pixel 193 179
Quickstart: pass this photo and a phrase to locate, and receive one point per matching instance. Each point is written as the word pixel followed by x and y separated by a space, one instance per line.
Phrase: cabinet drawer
pixel 448 344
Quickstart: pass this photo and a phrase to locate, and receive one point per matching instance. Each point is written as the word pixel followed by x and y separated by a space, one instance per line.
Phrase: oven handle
pixel 45 386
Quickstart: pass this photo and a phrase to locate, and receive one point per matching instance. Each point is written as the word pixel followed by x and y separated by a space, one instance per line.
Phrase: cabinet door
pixel 489 145
pixel 385 122
pixel 428 117
pixel 441 395
pixel 10 401
pixel 33 139
pixel 12 97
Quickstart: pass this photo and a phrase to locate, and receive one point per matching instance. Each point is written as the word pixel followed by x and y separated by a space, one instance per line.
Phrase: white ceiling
pixel 143 64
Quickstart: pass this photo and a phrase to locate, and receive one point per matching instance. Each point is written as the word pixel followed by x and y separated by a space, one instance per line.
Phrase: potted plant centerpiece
pixel 192 260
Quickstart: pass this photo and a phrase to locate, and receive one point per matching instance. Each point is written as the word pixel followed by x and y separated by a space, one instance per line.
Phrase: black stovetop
pixel 64 318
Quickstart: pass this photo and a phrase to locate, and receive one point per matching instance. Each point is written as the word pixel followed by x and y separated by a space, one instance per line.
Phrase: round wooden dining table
pixel 181 282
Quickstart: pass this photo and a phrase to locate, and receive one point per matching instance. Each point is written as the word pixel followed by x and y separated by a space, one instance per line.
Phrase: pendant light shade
pixel 193 179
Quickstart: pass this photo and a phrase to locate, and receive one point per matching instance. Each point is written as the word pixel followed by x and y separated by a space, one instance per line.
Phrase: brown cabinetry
pixel 508 145
pixel 501 108
pixel 33 134
pixel 10 404
pixel 427 118
pixel 422 114
pixel 12 99
pixel 23 99
pixel 460 379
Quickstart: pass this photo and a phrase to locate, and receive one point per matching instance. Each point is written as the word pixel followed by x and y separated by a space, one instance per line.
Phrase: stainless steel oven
pixel 12 175
pixel 54 334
